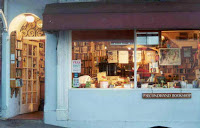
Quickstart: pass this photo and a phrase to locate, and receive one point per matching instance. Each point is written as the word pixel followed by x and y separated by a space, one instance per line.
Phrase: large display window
pixel 164 59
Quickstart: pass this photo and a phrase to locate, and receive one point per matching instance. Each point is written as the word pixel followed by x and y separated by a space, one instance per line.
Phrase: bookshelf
pixel 16 63
pixel 90 54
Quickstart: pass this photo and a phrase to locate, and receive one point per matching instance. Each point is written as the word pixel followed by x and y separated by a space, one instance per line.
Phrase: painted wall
pixel 50 73
pixel 121 108
pixel 16 7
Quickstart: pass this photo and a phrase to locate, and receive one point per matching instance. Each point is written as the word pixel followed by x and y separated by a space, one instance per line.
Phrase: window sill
pixel 140 89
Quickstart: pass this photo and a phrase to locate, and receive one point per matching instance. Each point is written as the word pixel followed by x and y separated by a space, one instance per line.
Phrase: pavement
pixel 24 124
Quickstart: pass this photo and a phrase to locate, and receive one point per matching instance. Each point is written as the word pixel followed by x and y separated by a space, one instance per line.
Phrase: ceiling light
pixel 30 18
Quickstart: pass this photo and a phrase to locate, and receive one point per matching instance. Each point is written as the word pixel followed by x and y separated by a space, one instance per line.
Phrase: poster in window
pixel 76 66
pixel 123 57
pixel 170 56
pixel 139 56
pixel 112 56
pixel 76 82
pixel 150 57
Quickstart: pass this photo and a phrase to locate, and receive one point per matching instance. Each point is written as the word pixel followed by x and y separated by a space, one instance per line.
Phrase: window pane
pixel 104 64
pixel 172 63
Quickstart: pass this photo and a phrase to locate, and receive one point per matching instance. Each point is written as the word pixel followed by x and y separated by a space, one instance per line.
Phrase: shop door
pixel 30 90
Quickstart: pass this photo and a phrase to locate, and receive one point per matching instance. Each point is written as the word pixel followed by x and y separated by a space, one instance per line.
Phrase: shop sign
pixel 75 82
pixel 76 66
pixel 166 95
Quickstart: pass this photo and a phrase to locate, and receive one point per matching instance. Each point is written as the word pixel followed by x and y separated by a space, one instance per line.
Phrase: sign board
pixel 76 66
pixel 123 57
pixel 75 82
pixel 166 95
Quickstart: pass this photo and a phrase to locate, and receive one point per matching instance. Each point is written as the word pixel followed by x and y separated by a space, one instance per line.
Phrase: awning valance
pixel 101 15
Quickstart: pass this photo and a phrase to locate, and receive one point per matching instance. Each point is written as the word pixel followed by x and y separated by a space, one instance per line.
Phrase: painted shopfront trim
pixel 87 108
pixel 63 73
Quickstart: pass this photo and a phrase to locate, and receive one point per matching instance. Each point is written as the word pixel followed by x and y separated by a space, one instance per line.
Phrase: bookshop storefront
pixel 122 65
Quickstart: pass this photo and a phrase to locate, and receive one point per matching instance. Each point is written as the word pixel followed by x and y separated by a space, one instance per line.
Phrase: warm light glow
pixel 30 19
pixel 162 37
pixel 105 47
pixel 129 48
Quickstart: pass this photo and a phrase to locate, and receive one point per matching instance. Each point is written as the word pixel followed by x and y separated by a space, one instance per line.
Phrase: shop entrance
pixel 29 42
pixel 30 92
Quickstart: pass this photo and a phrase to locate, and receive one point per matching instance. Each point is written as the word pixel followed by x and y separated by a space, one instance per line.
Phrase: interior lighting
pixel 129 48
pixel 162 37
pixel 30 18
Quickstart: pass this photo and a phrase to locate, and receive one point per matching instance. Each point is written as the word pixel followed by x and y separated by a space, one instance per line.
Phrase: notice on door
pixel 76 66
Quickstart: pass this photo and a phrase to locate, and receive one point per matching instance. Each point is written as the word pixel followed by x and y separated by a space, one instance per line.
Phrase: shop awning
pixel 101 15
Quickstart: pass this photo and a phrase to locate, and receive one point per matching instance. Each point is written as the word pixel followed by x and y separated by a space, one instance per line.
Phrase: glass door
pixel 30 91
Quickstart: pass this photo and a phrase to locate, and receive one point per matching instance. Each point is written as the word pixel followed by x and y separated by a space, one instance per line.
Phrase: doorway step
pixel 30 116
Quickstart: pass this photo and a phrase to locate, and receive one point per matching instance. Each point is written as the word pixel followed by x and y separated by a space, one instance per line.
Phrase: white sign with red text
pixel 76 66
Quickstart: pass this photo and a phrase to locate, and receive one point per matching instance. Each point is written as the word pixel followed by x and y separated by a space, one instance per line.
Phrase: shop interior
pixel 165 59
pixel 27 77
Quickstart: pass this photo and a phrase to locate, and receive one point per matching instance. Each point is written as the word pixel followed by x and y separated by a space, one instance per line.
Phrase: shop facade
pixel 117 106
pixel 104 38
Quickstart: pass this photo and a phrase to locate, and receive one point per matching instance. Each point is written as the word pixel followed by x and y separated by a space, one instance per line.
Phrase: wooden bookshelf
pixel 16 63
pixel 90 54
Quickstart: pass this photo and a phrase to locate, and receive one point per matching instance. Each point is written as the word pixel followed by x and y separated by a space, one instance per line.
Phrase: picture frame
pixel 150 56
pixel 112 56
pixel 187 51
pixel 169 56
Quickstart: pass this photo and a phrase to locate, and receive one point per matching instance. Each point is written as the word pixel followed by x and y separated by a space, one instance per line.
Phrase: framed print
pixel 139 56
pixel 150 56
pixel 123 57
pixel 112 56
pixel 169 56
pixel 187 51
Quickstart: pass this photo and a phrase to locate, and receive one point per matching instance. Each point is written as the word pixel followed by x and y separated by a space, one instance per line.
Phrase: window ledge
pixel 139 89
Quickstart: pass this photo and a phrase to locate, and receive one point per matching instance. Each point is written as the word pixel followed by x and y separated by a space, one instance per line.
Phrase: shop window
pixel 165 59
pixel 103 64
pixel 172 63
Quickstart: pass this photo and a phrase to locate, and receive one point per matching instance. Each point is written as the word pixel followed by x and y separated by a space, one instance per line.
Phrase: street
pixel 24 124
